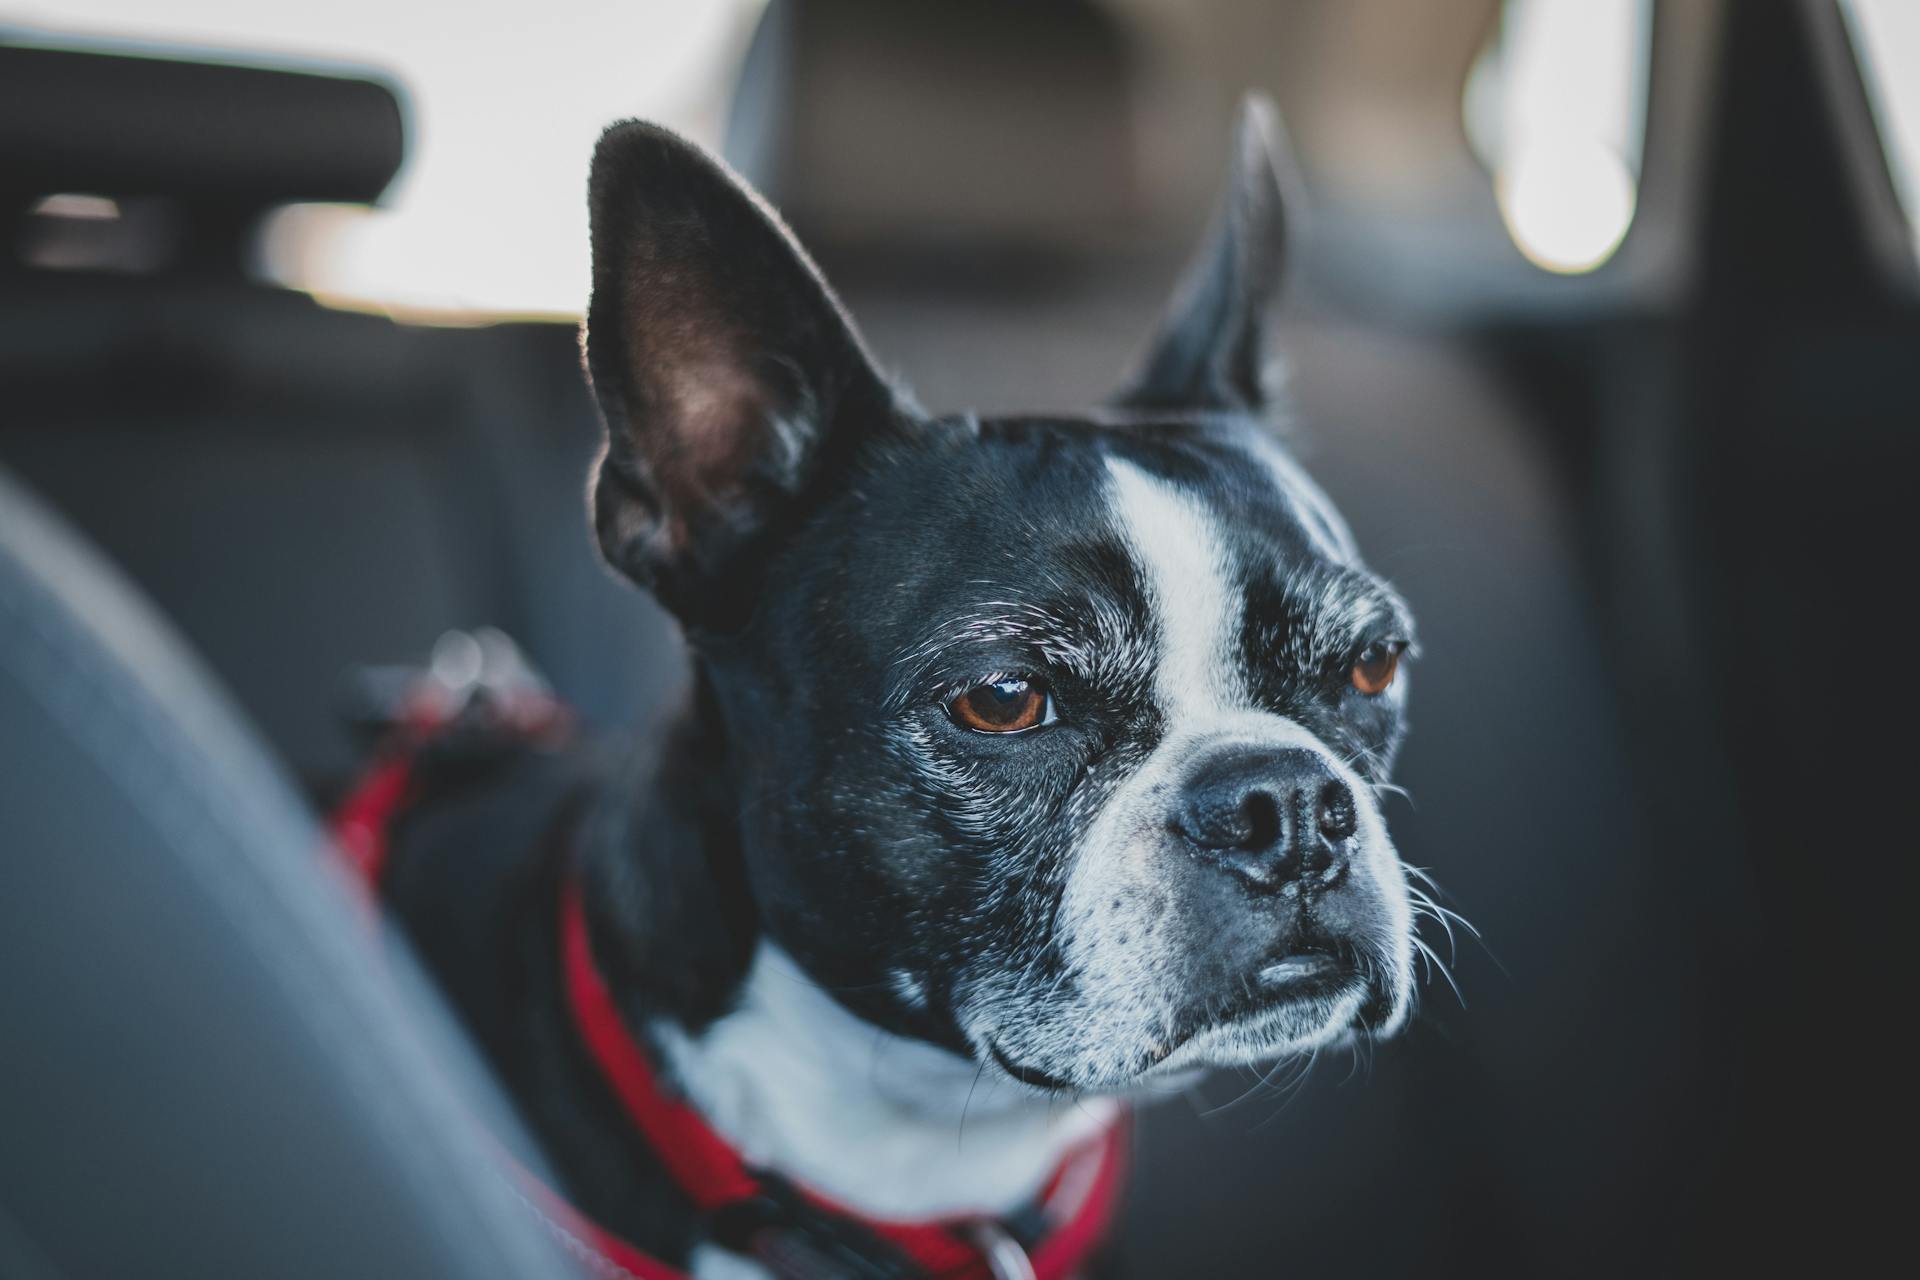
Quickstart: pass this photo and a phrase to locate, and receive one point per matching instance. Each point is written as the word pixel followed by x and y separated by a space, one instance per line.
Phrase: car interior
pixel 1646 516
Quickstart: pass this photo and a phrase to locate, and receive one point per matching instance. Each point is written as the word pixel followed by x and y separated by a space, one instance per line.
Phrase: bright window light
pixel 488 215
pixel 1556 110
pixel 1567 203
pixel 1886 33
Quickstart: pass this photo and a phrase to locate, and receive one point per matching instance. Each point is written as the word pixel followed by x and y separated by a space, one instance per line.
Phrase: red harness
pixel 792 1231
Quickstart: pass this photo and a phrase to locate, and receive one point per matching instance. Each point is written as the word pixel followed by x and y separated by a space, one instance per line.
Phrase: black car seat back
pixel 211 1066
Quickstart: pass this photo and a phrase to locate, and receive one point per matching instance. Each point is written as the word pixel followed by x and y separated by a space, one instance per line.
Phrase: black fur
pixel 1214 350
pixel 844 564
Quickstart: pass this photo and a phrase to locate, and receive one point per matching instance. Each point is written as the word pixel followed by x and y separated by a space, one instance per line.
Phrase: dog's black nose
pixel 1273 818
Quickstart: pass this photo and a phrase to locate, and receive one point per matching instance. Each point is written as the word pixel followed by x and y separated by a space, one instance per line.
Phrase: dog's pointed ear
pixel 1211 350
pixel 725 369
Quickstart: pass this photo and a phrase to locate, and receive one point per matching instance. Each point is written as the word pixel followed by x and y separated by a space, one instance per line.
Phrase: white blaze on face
pixel 1194 598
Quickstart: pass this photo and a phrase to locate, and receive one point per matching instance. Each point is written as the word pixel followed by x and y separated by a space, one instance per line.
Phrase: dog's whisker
pixel 960 1138
pixel 1424 910
pixel 1428 904
pixel 1262 1086
pixel 1426 877
pixel 1292 1090
pixel 1439 964
pixel 1261 1080
pixel 1392 789
pixel 1459 919
pixel 1423 874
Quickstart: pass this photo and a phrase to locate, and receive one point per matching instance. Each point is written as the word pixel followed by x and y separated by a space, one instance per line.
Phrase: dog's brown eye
pixel 1000 706
pixel 1375 669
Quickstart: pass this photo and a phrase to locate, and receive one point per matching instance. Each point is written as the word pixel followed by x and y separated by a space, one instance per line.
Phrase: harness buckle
pixel 1006 1257
pixel 793 1241
pixel 476 686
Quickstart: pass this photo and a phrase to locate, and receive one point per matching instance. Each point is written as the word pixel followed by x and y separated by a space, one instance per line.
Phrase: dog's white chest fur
pixel 889 1127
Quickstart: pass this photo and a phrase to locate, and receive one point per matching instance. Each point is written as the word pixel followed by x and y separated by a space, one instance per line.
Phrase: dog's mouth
pixel 1027 1075
pixel 1305 977
pixel 1313 978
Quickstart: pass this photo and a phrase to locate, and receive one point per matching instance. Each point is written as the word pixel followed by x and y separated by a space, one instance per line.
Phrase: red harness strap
pixel 1075 1210
pixel 715 1177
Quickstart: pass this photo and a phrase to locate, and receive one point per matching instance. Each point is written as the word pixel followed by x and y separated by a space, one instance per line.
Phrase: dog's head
pixel 1054 740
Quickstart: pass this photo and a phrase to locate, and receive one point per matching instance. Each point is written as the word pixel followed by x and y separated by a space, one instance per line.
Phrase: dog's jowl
pixel 1025 758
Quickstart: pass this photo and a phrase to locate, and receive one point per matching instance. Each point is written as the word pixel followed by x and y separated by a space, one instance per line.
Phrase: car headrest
pixel 970 124
pixel 204 134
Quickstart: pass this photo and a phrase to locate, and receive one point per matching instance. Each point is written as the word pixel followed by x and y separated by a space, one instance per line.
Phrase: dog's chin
pixel 1297 1005
pixel 1298 1025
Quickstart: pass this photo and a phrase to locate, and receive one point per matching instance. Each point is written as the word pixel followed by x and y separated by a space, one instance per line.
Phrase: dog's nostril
pixel 1247 821
pixel 1336 817
pixel 1260 820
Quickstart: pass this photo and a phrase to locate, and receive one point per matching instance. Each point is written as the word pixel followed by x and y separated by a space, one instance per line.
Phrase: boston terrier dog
pixel 1029 763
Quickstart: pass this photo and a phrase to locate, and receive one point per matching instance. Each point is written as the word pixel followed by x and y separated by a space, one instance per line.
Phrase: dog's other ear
pixel 1211 350
pixel 725 370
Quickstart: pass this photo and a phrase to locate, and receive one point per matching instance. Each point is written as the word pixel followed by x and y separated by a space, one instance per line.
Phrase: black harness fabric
pixel 474 874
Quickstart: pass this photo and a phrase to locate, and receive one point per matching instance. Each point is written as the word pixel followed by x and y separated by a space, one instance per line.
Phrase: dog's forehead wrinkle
pixel 1088 639
pixel 1317 611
